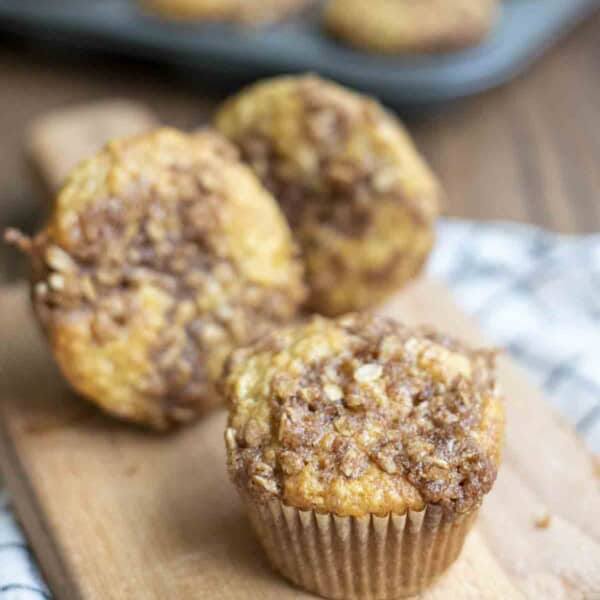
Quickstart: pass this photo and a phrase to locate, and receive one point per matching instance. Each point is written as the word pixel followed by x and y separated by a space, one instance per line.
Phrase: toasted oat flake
pixel 56 281
pixel 333 392
pixel 440 462
pixel 356 192
pixel 58 259
pixel 230 438
pixel 368 373
pixel 267 484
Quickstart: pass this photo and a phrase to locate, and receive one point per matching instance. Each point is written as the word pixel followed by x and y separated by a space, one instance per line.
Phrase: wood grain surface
pixel 114 512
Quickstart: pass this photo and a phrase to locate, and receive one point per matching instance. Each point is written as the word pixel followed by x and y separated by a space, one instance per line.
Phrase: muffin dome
pixel 362 415
pixel 359 198
pixel 162 253
pixel 395 26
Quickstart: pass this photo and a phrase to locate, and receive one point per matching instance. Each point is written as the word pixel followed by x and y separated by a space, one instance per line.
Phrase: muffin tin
pixel 525 29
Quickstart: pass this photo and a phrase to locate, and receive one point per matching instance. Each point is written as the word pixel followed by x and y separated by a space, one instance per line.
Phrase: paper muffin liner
pixel 371 557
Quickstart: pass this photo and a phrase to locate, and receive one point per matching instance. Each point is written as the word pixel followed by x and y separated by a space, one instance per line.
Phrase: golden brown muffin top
pixel 360 199
pixel 395 26
pixel 363 415
pixel 326 152
pixel 162 253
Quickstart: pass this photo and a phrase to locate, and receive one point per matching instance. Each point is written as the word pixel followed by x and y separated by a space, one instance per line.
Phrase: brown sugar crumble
pixel 163 252
pixel 363 415
pixel 356 193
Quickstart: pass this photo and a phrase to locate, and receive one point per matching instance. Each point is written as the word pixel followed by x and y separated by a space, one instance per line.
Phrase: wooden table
pixel 529 151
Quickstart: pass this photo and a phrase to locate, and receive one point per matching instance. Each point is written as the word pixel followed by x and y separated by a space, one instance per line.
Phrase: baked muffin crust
pixel 359 198
pixel 162 253
pixel 363 415
pixel 238 11
pixel 405 26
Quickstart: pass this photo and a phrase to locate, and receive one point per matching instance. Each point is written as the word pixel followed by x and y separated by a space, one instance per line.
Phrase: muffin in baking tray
pixel 238 11
pixel 162 253
pixel 362 450
pixel 361 201
pixel 399 26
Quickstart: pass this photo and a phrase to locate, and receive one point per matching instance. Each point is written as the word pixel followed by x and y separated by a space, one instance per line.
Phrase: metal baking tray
pixel 526 28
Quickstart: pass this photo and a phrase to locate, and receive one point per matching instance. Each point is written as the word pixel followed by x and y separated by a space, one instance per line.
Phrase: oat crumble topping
pixel 363 415
pixel 163 252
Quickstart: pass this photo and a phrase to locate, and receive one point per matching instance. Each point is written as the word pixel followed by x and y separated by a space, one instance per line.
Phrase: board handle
pixel 56 142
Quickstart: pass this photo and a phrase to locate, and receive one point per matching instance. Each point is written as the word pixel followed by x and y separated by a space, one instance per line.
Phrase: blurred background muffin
pixel 396 26
pixel 391 432
pixel 359 198
pixel 162 253
pixel 237 11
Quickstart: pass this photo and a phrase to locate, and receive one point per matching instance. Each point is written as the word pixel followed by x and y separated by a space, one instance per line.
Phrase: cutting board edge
pixel 30 515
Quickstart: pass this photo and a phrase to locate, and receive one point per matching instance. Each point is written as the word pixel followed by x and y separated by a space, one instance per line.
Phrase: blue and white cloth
pixel 534 293
pixel 19 577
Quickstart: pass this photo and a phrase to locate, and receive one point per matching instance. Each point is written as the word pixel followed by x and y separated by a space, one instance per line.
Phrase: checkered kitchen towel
pixel 534 293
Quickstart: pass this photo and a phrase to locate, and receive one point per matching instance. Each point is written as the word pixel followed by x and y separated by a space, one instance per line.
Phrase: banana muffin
pixel 361 201
pixel 162 253
pixel 362 449
pixel 249 12
pixel 407 26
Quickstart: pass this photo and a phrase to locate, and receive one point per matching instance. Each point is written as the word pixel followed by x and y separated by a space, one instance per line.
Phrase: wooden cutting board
pixel 115 513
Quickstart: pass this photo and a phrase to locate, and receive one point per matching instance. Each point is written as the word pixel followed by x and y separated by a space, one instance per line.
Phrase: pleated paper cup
pixel 367 558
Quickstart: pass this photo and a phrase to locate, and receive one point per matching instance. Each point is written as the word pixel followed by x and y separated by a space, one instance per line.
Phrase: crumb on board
pixel 543 521
pixel 132 470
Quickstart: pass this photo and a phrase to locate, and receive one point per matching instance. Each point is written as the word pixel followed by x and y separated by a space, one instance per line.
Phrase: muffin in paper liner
pixel 366 558
pixel 362 449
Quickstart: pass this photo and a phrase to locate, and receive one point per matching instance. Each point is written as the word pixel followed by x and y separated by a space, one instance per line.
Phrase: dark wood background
pixel 529 151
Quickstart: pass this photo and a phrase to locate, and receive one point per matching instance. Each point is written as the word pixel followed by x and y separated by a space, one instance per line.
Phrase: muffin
pixel 162 253
pixel 360 200
pixel 362 450
pixel 238 11
pixel 405 26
